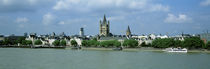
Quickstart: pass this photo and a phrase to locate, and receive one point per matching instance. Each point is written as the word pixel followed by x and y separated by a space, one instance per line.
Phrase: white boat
pixel 176 50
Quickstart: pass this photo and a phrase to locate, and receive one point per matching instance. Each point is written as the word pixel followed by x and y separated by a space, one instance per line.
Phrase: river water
pixel 26 58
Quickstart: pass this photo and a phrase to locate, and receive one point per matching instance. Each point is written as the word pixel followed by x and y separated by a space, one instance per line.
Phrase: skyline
pixel 143 16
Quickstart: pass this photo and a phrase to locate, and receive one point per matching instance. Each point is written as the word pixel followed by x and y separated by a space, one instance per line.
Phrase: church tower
pixel 104 27
pixel 128 32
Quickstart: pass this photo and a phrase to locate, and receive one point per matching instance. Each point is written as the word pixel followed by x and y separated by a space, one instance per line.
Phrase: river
pixel 26 58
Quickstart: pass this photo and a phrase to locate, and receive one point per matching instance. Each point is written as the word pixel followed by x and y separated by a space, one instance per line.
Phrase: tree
pixel 20 39
pixel 63 43
pixel 178 43
pixel 193 42
pixel 117 43
pixel 74 43
pixel 24 42
pixel 110 43
pixel 28 42
pixel 208 45
pixel 85 43
pixel 149 45
pixel 6 42
pixel 38 42
pixel 1 42
pixel 88 43
pixel 163 43
pixel 93 43
pixel 56 43
pixel 9 41
pixel 130 43
pixel 143 44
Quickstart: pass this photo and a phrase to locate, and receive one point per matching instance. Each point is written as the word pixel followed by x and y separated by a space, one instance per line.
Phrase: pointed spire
pixel 128 32
pixel 104 18
pixel 128 28
pixel 100 21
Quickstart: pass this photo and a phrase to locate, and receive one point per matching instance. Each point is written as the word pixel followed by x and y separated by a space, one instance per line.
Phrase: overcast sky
pixel 143 16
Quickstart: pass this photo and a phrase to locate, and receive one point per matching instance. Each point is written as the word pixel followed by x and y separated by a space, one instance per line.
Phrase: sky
pixel 143 16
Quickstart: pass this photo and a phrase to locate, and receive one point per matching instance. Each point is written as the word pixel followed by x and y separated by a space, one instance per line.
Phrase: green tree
pixel 178 43
pixel 28 42
pixel 163 43
pixel 1 42
pixel 10 41
pixel 130 43
pixel 93 43
pixel 56 43
pixel 193 42
pixel 117 43
pixel 143 44
pixel 6 42
pixel 24 42
pixel 38 42
pixel 74 43
pixel 63 43
pixel 20 39
pixel 208 45
pixel 85 43
pixel 110 43
pixel 88 43
pixel 149 45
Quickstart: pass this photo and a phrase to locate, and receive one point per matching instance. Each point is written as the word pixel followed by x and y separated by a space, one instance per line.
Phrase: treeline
pixel 190 43
pixel 109 43
pixel 59 43
pixel 20 40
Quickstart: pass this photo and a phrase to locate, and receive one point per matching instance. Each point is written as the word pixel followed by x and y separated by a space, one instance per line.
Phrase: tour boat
pixel 184 50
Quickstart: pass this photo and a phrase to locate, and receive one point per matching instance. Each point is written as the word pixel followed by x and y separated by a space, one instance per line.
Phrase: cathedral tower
pixel 104 27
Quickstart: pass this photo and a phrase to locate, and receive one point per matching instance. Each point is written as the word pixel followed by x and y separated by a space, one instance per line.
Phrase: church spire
pixel 128 31
pixel 104 18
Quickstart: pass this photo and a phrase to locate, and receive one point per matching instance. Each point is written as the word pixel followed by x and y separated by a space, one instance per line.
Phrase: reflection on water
pixel 18 58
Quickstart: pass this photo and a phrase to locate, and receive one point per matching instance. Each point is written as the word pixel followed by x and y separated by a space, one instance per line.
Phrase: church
pixel 104 31
pixel 104 27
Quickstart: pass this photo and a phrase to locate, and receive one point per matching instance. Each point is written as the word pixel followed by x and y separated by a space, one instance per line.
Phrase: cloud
pixel 22 5
pixel 61 22
pixel 77 20
pixel 93 5
pixel 65 4
pixel 21 20
pixel 181 18
pixel 159 7
pixel 84 26
pixel 48 19
pixel 205 3
pixel 116 18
